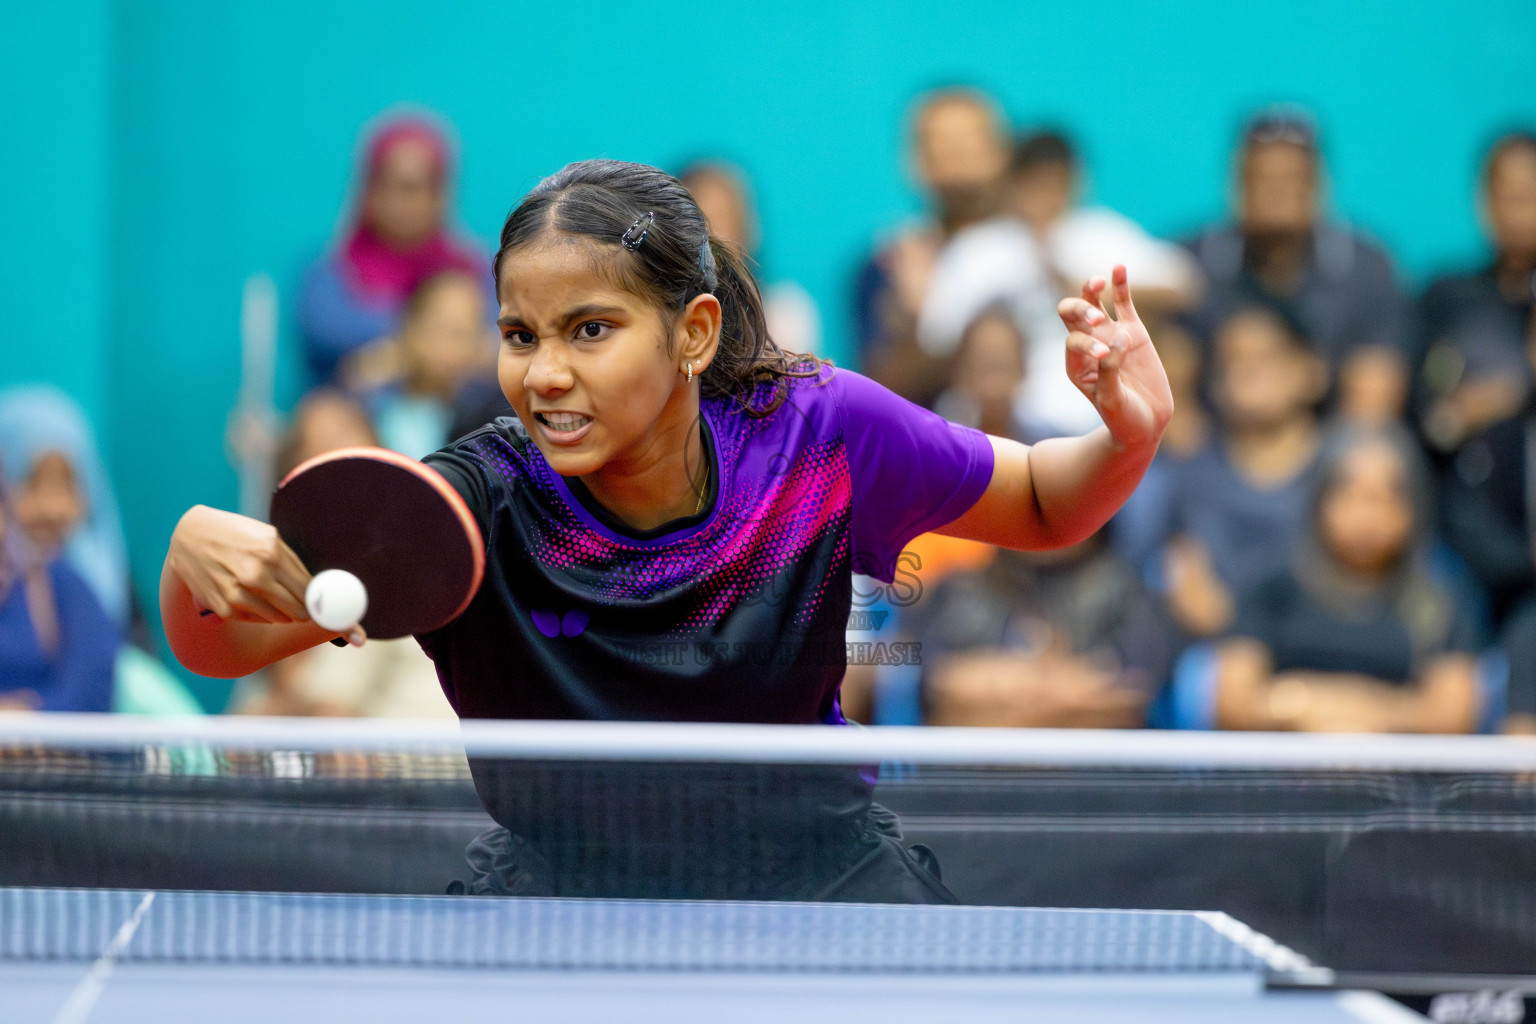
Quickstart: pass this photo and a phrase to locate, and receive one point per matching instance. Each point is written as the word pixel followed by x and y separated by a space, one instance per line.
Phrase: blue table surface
pixel 69 956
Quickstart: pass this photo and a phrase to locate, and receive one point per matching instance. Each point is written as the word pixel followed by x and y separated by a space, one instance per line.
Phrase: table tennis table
pixel 73 955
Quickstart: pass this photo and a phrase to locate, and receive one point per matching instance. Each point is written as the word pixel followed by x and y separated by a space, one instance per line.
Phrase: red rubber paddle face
pixel 393 523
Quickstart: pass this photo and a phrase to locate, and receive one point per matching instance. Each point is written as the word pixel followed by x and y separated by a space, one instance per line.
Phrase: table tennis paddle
pixel 392 522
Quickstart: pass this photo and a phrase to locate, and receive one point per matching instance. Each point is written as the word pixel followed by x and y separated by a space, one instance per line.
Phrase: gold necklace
pixel 702 491
pixel 705 489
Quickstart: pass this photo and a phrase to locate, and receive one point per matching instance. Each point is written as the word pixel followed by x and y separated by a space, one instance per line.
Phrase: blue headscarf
pixel 38 421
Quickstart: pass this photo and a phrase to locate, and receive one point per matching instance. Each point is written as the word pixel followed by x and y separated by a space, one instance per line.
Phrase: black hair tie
pixel 632 238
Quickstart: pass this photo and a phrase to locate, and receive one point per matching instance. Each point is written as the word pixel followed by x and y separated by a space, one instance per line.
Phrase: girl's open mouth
pixel 564 427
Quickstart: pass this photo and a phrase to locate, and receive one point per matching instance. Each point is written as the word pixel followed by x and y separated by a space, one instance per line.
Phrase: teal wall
pixel 55 177
pixel 173 148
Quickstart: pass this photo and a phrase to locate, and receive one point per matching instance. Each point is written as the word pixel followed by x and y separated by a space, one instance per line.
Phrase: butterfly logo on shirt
pixel 553 624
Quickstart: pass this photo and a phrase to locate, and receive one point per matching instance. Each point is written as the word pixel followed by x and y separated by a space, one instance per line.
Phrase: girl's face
pixel 49 506
pixel 1367 516
pixel 594 371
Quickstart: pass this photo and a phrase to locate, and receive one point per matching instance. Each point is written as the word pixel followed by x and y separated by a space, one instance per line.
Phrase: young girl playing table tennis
pixel 673 519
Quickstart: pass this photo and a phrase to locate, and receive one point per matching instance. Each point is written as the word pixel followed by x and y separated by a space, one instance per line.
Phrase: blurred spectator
pixel 443 344
pixel 1045 188
pixel 398 238
pixel 959 154
pixel 1355 635
pixel 725 199
pixel 877 693
pixel 1041 249
pixel 1341 287
pixel 1190 428
pixel 479 402
pixel 1237 507
pixel 1043 639
pixel 1519 644
pixel 65 534
pixel 1473 327
pixel 986 378
pixel 1144 522
pixel 383 678
pixel 62 499
pixel 57 646
pixel 1486 497
pixel 988 370
pixel 323 421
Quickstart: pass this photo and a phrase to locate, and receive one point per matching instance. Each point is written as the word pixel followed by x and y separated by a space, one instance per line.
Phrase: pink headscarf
pixel 384 273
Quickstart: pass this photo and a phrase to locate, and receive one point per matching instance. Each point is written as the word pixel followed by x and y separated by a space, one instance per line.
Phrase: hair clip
pixel 630 240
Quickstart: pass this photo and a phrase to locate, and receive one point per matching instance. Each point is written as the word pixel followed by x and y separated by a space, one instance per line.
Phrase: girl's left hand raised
pixel 1114 364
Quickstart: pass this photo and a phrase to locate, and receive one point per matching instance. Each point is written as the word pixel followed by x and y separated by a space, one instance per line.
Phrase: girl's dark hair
pixel 662 249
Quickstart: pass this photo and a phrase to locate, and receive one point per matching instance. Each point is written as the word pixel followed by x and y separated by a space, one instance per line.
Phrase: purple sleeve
pixel 912 471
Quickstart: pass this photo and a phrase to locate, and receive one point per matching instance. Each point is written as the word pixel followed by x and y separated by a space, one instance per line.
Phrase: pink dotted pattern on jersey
pixel 761 526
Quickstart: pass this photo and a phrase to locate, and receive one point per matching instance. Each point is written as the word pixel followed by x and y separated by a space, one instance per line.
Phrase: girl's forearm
pixel 1081 482
pixel 1053 494
pixel 225 648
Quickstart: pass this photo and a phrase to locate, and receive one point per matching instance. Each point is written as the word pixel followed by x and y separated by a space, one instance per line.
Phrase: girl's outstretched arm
pixel 232 596
pixel 1061 491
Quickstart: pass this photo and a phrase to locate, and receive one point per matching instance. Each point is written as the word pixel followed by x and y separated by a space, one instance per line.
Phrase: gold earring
pixel 690 373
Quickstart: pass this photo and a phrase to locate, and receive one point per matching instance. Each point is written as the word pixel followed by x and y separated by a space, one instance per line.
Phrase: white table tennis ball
pixel 336 599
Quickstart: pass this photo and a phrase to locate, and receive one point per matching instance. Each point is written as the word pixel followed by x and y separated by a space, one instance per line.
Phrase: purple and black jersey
pixel 735 615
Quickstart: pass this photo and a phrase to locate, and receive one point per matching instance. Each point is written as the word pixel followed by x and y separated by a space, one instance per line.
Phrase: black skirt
pixel 695 831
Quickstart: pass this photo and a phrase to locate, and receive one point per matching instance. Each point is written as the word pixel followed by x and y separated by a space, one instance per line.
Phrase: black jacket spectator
pixel 1068 638
pixel 1486 511
pixel 1346 297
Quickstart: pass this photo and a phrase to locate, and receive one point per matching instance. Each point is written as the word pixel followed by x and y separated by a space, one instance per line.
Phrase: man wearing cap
pixel 1341 287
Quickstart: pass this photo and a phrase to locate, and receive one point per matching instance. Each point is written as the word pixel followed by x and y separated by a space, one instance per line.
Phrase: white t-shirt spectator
pixel 1001 261
pixel 793 320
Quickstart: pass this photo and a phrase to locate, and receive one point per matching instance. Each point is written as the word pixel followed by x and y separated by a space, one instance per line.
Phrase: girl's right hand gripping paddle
pixel 392 522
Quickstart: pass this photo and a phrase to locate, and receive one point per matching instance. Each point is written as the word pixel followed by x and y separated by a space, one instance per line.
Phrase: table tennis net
pixel 1333 846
